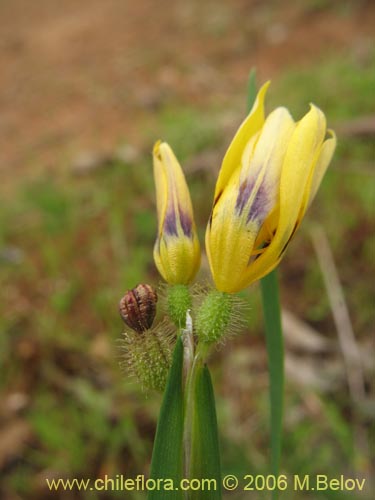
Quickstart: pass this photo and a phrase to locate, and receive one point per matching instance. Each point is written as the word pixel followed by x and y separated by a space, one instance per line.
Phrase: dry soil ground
pixel 85 75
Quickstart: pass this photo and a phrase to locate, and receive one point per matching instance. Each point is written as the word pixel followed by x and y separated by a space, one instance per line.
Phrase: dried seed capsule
pixel 148 357
pixel 138 307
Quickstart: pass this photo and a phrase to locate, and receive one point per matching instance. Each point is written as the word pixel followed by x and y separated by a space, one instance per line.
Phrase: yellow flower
pixel 269 176
pixel 177 249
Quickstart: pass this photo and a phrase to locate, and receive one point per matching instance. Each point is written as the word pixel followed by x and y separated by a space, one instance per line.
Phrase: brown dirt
pixel 85 75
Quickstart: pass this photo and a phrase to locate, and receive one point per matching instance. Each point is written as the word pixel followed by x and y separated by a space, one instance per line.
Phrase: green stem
pixel 189 414
pixel 190 404
pixel 274 338
pixel 275 351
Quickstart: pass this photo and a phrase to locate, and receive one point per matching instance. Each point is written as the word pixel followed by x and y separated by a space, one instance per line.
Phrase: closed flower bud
pixel 177 250
pixel 138 307
pixel 219 316
pixel 269 176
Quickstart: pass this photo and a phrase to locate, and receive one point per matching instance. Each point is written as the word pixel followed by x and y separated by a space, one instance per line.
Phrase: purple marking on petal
pixel 186 222
pixel 260 206
pixel 243 196
pixel 170 224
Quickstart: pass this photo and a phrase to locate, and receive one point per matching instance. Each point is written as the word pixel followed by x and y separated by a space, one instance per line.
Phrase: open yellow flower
pixel 269 176
pixel 177 249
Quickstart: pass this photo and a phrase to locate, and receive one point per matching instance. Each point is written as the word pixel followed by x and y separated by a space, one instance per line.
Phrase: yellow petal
pixel 161 185
pixel 228 243
pixel 301 157
pixel 324 159
pixel 299 161
pixel 320 164
pixel 250 126
pixel 260 174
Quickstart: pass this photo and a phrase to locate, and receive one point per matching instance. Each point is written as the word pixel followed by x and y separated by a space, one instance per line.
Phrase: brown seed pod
pixel 138 307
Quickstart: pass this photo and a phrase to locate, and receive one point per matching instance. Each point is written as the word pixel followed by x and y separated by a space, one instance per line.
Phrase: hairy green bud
pixel 214 316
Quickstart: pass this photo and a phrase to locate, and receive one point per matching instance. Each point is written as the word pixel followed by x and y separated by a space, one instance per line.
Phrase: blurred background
pixel 86 89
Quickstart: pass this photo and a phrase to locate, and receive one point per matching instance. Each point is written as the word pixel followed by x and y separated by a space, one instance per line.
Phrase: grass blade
pixel 205 456
pixel 167 456
pixel 251 89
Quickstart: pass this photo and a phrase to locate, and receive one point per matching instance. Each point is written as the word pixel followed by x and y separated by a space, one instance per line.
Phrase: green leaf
pixel 205 453
pixel 167 456
pixel 275 351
